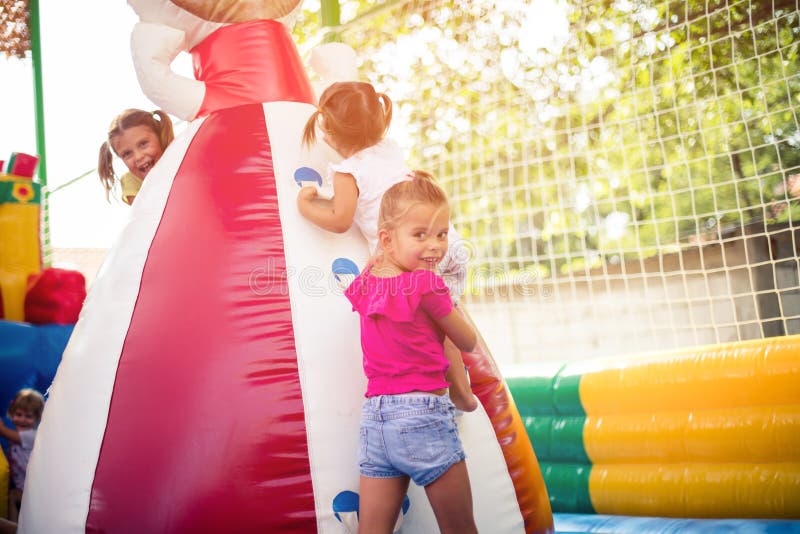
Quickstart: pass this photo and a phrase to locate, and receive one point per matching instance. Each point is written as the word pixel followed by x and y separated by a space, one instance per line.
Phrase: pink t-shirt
pixel 403 347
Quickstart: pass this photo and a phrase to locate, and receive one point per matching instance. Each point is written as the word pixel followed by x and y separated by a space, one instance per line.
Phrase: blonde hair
pixel 353 114
pixel 398 199
pixel 28 400
pixel 158 121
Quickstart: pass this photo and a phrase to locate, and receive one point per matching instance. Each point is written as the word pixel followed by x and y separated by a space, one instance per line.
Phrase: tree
pixel 15 38
pixel 570 133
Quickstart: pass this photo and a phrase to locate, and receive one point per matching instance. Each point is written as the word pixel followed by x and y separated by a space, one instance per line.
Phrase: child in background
pixel 354 119
pixel 408 428
pixel 138 138
pixel 25 412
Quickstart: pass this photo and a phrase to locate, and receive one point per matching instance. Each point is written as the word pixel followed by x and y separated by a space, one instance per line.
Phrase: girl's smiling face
pixel 419 241
pixel 23 419
pixel 139 148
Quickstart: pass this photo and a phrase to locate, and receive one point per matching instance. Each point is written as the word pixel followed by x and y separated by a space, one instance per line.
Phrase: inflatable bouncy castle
pixel 37 306
pixel 27 291
pixel 20 250
pixel 213 382
pixel 701 439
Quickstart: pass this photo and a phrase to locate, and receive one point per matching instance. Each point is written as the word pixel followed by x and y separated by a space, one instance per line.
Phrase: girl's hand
pixel 307 194
pixel 334 215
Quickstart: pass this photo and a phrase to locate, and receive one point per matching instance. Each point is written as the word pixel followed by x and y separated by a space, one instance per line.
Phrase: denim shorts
pixel 411 435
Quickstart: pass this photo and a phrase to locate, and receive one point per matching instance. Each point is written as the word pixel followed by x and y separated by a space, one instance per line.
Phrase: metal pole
pixel 38 97
pixel 331 14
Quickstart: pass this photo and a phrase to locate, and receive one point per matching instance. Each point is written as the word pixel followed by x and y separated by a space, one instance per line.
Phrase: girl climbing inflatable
pixel 213 382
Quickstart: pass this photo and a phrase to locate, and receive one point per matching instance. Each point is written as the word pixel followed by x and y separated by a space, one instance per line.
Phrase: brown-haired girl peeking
pixel 138 138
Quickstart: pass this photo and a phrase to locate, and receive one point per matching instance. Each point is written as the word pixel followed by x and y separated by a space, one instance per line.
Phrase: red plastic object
pixel 55 296
pixel 250 62
pixel 21 164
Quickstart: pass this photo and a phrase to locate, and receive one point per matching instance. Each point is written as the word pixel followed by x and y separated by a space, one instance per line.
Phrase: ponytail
pixel 165 132
pixel 310 130
pixel 105 169
pixel 422 175
pixel 355 116
pixel 387 110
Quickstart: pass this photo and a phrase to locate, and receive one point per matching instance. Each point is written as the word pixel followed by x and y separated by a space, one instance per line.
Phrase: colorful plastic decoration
pixel 5 476
pixel 22 164
pixel 20 249
pixel 213 382
pixel 55 296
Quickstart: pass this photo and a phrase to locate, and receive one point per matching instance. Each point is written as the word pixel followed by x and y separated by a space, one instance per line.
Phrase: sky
pixel 88 78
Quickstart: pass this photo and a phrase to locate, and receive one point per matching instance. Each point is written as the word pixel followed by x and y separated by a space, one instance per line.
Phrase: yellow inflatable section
pixel 4 481
pixel 20 249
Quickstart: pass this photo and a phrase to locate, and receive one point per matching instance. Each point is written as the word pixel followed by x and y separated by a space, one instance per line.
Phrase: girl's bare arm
pixel 458 330
pixel 10 435
pixel 335 215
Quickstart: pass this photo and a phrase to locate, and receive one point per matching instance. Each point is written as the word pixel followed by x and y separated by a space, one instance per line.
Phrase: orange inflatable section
pixel 490 388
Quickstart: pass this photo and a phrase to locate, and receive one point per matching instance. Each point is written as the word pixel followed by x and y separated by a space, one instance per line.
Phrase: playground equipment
pixel 29 356
pixel 28 292
pixel 707 432
pixel 20 250
pixel 219 330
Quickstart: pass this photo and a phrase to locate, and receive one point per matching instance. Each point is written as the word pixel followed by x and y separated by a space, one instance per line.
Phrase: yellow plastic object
pixel 757 433
pixel 4 481
pixel 749 373
pixel 20 250
pixel 742 490
pixel 704 432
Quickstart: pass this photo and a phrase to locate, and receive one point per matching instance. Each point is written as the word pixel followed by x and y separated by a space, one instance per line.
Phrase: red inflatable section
pixel 206 426
pixel 233 77
pixel 54 296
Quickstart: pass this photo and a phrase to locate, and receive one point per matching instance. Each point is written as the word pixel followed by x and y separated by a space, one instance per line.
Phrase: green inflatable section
pixel 554 418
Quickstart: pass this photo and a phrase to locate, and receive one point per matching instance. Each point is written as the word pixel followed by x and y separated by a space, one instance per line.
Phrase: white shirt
pixel 19 454
pixel 376 169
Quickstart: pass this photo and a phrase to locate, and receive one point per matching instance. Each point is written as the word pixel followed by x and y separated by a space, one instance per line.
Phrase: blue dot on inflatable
pixel 348 502
pixel 344 502
pixel 344 266
pixel 406 504
pixel 307 174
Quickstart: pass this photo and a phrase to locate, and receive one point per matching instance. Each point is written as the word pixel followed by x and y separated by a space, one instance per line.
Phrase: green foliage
pixel 570 133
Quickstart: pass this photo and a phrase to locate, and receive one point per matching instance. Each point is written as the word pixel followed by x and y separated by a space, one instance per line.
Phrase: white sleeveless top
pixel 376 169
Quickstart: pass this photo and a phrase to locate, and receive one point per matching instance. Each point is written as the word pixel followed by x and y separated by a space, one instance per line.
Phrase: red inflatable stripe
pixel 206 431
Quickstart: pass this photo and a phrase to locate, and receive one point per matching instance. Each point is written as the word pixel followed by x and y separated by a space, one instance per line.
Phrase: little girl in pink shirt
pixel 408 429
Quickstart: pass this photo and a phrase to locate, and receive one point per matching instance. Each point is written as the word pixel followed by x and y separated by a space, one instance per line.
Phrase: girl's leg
pixel 380 500
pixel 460 391
pixel 451 499
pixel 7 527
pixel 14 502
